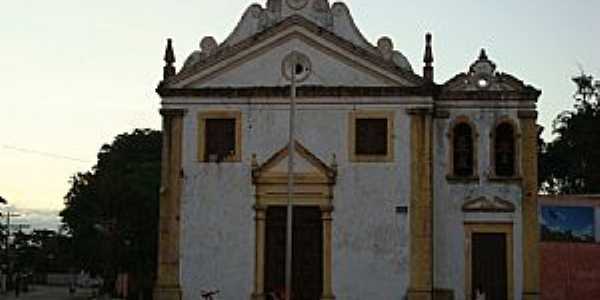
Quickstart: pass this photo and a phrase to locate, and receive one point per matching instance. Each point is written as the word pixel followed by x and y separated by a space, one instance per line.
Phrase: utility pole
pixel 8 215
pixel 290 204
pixel 298 66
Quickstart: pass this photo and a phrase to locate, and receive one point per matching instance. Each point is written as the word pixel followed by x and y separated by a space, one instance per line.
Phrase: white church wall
pixel 217 225
pixel 370 240
pixel 449 198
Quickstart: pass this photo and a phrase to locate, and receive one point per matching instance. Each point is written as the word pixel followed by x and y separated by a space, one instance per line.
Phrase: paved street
pixel 48 293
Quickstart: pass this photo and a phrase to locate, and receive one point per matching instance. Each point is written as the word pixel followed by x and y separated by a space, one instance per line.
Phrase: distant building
pixel 570 247
pixel 404 187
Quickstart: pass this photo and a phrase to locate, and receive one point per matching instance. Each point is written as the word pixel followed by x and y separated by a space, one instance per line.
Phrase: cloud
pixel 35 218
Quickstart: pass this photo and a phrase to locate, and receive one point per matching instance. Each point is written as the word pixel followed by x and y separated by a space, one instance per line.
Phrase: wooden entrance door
pixel 307 252
pixel 489 268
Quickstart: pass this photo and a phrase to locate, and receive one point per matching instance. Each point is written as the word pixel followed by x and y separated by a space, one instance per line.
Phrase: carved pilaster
pixel 531 228
pixel 168 285
pixel 421 207
pixel 327 263
pixel 259 261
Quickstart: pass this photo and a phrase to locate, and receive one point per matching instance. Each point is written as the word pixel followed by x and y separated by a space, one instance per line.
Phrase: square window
pixel 220 139
pixel 371 136
pixel 219 136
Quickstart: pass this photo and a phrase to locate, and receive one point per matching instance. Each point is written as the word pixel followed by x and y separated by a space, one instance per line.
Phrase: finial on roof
pixel 254 162
pixel 334 163
pixel 169 69
pixel 428 58
pixel 483 66
pixel 483 55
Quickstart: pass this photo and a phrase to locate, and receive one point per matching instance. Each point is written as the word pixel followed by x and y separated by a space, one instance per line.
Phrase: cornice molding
pixel 302 91
pixel 173 112
pixel 527 114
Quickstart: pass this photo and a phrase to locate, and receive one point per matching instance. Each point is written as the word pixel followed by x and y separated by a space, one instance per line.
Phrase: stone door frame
pixel 503 228
pixel 312 189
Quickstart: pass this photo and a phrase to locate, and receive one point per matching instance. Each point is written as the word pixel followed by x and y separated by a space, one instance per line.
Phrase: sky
pixel 74 74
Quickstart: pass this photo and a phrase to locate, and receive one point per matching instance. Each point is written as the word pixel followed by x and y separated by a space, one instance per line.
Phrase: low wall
pixel 570 271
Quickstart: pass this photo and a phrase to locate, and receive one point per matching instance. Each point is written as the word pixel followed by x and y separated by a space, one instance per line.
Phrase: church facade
pixel 404 188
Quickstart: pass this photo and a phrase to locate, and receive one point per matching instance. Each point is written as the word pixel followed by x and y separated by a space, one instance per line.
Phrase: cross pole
pixel 290 206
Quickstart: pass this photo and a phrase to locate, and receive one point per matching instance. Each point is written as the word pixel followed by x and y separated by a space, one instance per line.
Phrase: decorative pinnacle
pixel 428 59
pixel 334 163
pixel 483 55
pixel 254 162
pixel 169 54
pixel 169 69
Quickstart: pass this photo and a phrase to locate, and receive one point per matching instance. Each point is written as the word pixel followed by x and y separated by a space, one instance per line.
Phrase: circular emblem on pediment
pixel 297 4
pixel 483 81
pixel 296 66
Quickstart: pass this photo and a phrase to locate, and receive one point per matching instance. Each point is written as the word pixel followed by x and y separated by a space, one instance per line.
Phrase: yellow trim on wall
pixel 421 207
pixel 205 115
pixel 531 226
pixel 370 114
pixel 168 285
pixel 507 229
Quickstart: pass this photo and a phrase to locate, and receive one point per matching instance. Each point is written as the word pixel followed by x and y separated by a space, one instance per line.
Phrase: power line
pixel 45 154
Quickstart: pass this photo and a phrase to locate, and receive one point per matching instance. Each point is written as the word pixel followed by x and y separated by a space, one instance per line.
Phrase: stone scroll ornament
pixel 297 4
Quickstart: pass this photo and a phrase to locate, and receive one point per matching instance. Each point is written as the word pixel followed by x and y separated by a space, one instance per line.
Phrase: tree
pixel 111 211
pixel 570 164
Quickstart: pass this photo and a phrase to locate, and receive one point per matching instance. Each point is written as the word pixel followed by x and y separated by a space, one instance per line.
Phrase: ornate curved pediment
pixel 482 82
pixel 308 168
pixel 485 204
pixel 327 32
pixel 314 178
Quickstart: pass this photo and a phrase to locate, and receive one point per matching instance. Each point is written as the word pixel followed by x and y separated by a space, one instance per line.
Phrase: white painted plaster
pixel 327 69
pixel 449 245
pixel 368 236
pixel 370 240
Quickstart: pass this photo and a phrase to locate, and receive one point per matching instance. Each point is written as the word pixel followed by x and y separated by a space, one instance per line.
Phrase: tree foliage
pixel 570 164
pixel 41 251
pixel 111 211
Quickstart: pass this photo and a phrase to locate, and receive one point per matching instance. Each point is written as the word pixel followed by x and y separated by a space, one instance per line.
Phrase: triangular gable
pixel 308 168
pixel 484 204
pixel 324 44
